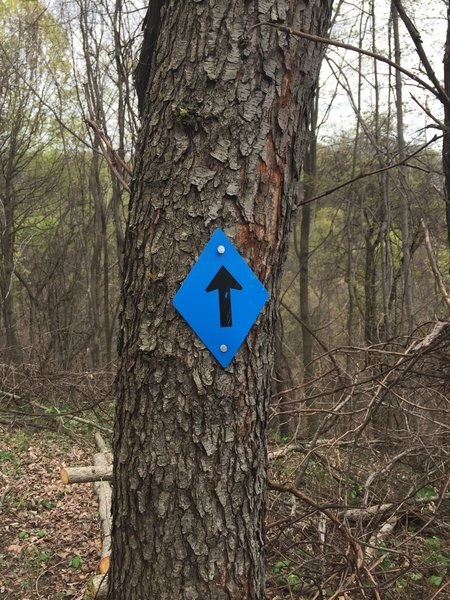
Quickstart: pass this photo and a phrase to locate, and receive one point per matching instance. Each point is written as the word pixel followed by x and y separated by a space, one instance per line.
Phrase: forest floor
pixel 49 532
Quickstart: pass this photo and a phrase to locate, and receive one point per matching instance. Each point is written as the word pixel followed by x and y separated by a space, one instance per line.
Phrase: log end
pixel 103 565
pixel 64 475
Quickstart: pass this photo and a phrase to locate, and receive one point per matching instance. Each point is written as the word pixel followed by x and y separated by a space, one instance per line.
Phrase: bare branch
pixel 401 163
pixel 336 43
pixel 437 274
pixel 415 36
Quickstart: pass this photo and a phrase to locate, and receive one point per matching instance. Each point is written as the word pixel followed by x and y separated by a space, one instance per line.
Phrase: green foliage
pixel 6 456
pixel 428 492
pixel 401 584
pixel 47 504
pixel 285 575
pixel 434 555
pixel 44 555
pixel 354 492
pixel 382 552
pixel 76 562
pixel 433 543
pixel 281 565
pixel 317 471
pixel 435 580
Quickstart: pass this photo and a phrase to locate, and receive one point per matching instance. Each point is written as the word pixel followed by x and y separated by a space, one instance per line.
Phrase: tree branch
pixel 401 163
pixel 437 274
pixel 379 57
pixel 415 36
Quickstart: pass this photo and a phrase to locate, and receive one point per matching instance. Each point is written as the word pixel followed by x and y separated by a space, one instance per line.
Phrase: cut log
pixel 97 588
pixel 103 491
pixel 86 474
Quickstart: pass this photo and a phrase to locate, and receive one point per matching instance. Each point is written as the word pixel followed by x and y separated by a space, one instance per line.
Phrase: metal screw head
pixel 223 348
pixel 221 249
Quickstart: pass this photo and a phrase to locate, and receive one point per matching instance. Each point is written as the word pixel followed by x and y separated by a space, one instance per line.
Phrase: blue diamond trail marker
pixel 221 298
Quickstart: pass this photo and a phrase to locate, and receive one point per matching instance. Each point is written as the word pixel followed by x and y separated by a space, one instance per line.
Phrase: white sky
pixel 430 19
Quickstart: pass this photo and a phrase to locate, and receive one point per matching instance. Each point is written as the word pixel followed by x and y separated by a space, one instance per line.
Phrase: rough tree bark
pixel 224 122
pixel 446 138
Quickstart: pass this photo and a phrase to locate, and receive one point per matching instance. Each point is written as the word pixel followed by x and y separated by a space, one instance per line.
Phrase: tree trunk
pixel 446 137
pixel 303 250
pixel 282 381
pixel 303 254
pixel 221 143
pixel 404 203
pixel 370 291
pixel 13 351
pixel 98 233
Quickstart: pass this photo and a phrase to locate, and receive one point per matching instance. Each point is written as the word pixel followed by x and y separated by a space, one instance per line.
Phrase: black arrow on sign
pixel 224 282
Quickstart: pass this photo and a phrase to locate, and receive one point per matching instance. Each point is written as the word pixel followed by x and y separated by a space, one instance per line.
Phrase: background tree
pixel 28 33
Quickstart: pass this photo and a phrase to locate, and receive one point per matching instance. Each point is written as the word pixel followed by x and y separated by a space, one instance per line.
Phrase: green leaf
pixel 434 542
pixel 400 584
pixel 428 492
pixel 435 580
pixel 44 555
pixel 415 576
pixel 280 565
pixel 5 456
pixel 75 562
pixel 40 533
pixel 23 535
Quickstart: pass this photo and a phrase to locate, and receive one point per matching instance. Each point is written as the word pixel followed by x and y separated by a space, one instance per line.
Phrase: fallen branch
pixel 366 512
pixel 99 473
pixel 378 538
pixel 97 588
pixel 104 494
pixel 355 545
pixel 100 442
